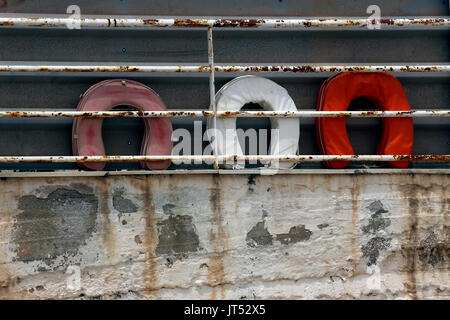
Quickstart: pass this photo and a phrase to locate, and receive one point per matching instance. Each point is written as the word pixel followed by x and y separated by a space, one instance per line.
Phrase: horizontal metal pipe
pixel 105 114
pixel 334 68
pixel 303 23
pixel 319 171
pixel 223 158
pixel 101 68
pixel 225 68
pixel 334 114
pixel 224 114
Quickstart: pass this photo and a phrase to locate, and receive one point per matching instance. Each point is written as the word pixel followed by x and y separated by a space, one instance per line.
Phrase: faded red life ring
pixel 103 96
pixel 386 92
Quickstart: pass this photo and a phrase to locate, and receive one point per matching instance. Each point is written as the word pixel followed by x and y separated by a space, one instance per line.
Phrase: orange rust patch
pixel 108 234
pixel 190 23
pixel 5 278
pixel 411 193
pixel 150 273
pixel 355 224
pixel 246 23
pixel 152 22
pixel 219 243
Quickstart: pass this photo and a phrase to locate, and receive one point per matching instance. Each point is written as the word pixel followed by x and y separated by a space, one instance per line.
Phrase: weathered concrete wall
pixel 205 236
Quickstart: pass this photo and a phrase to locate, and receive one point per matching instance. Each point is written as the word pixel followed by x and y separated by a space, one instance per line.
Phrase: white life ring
pixel 271 97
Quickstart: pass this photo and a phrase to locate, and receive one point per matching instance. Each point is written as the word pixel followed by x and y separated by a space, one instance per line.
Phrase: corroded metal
pixel 226 68
pixel 104 114
pixel 314 23
pixel 224 114
pixel 334 68
pixel 103 68
pixel 335 114
pixel 223 158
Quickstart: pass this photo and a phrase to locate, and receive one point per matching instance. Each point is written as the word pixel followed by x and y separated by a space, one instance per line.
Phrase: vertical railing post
pixel 212 92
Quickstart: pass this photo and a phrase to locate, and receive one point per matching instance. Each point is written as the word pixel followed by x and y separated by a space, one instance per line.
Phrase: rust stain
pixel 228 68
pixel 152 22
pixel 445 201
pixel 150 273
pixel 190 23
pixel 204 68
pixel 108 233
pixel 411 193
pixel 206 113
pixel 240 23
pixel 218 240
pixel 387 21
pixel 318 68
pixel 425 157
pixel 9 282
pixel 355 223
pixel 6 281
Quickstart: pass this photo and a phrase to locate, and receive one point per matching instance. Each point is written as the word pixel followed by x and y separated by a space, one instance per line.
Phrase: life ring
pixel 386 92
pixel 271 97
pixel 103 96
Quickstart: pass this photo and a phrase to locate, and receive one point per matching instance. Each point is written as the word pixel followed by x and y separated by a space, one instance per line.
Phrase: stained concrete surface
pixel 343 236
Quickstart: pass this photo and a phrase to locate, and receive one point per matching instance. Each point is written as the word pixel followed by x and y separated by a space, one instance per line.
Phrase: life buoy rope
pixel 87 135
pixel 271 97
pixel 386 92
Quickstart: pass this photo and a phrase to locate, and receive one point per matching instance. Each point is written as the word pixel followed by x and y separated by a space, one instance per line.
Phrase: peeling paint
pixel 373 247
pixel 222 114
pixel 376 229
pixel 55 226
pixel 376 221
pixel 122 204
pixel 251 182
pixel 434 250
pixel 137 239
pixel 259 236
pixel 247 244
pixel 167 208
pixel 295 234
pixel 177 234
pixel 303 23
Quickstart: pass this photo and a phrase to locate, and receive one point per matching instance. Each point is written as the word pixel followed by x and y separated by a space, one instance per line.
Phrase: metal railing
pixel 224 158
pixel 287 23
pixel 433 23
pixel 225 114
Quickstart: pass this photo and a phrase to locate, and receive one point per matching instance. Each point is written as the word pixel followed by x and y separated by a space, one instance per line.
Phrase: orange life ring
pixel 103 96
pixel 386 92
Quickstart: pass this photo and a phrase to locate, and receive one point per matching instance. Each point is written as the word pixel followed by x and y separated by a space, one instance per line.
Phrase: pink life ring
pixel 87 133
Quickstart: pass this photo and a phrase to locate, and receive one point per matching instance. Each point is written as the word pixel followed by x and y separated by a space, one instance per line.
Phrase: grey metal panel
pixel 103 45
pixel 63 92
pixel 331 46
pixel 250 46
